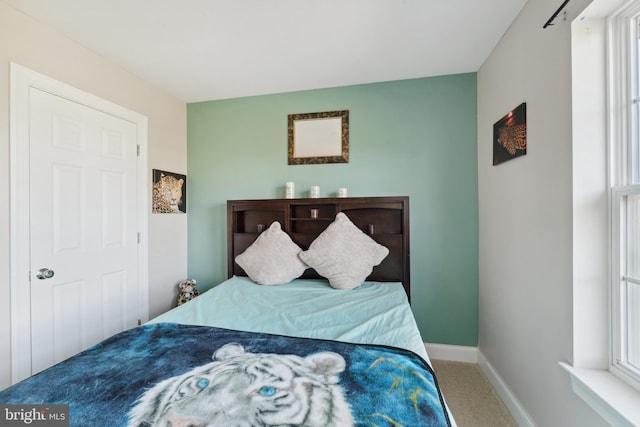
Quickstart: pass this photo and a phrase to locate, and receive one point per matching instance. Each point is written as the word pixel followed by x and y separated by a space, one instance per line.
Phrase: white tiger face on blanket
pixel 249 389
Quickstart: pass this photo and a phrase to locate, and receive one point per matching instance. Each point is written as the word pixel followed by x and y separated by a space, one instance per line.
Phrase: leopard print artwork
pixel 167 194
pixel 513 138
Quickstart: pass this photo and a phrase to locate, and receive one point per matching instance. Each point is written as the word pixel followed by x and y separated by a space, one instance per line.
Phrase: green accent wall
pixel 412 137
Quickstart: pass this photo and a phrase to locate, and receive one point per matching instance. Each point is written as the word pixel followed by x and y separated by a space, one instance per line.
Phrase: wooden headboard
pixel 384 219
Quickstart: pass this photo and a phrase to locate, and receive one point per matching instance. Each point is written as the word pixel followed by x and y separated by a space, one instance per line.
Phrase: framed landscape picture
pixel 318 138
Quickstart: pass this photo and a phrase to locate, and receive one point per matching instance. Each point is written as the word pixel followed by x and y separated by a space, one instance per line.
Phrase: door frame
pixel 21 80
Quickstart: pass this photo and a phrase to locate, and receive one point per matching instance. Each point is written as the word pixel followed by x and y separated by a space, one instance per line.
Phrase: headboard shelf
pixel 384 219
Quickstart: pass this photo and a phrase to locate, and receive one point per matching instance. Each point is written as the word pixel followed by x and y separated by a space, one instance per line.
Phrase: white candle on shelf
pixel 288 190
pixel 315 192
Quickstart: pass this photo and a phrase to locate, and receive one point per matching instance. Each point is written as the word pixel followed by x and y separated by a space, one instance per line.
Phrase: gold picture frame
pixel 318 138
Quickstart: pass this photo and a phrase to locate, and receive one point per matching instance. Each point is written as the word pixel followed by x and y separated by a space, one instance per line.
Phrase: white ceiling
pixel 202 50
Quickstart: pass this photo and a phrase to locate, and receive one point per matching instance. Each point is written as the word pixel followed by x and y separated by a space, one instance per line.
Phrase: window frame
pixel 592 379
pixel 619 364
pixel 624 181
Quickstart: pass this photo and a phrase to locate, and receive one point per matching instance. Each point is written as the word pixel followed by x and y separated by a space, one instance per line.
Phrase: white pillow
pixel 344 254
pixel 273 258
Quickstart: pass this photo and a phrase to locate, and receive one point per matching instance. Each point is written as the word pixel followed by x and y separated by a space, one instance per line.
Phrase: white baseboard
pixel 454 353
pixel 511 402
pixel 457 353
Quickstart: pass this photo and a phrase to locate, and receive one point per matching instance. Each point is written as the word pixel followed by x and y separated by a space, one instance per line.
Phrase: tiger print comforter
pixel 169 374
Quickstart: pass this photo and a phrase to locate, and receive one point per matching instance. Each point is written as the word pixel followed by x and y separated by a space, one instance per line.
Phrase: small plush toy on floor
pixel 188 291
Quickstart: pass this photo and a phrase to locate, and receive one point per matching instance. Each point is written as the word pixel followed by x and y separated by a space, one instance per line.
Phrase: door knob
pixel 44 273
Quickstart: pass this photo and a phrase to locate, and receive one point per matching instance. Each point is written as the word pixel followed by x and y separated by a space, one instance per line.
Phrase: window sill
pixel 614 400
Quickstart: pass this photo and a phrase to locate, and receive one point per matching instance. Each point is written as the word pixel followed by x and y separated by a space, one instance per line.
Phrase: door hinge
pixel 139 322
pixel 138 237
pixel 138 150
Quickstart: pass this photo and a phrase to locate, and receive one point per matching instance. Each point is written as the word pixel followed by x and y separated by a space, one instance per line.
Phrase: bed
pixel 312 328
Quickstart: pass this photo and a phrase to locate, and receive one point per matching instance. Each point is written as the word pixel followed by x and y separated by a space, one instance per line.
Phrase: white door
pixel 83 227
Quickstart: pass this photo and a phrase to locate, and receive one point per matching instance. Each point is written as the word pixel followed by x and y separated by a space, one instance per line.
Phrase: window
pixel 606 193
pixel 624 136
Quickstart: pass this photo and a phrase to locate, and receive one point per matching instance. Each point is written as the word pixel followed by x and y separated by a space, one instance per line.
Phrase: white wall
pixel 525 218
pixel 28 43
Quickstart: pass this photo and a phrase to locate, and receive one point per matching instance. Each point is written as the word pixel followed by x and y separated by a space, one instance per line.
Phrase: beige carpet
pixel 470 396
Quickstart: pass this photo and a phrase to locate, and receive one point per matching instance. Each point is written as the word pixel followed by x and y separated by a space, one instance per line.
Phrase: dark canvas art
pixel 510 135
pixel 169 192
